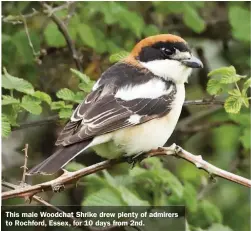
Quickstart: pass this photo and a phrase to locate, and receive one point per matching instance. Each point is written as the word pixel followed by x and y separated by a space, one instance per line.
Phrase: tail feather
pixel 59 159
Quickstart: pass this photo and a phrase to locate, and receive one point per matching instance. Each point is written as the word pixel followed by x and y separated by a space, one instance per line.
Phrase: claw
pixel 212 178
pixel 133 160
pixel 58 187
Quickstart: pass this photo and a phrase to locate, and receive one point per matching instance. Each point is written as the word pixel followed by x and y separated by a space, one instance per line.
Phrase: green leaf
pixel 57 105
pixel 79 96
pixel 245 101
pixel 237 16
pixel 219 227
pixel 66 94
pixel 132 21
pixel 104 197
pixel 43 96
pixel 65 113
pixel 214 87
pixel 83 77
pixel 86 83
pixel 227 79
pixel 72 27
pixel 229 71
pixel 245 138
pixel 233 104
pixel 118 56
pixel 192 19
pixel 5 38
pixel 86 35
pixel 130 198
pixel 235 92
pixel 227 75
pixel 243 118
pixel 24 53
pixel 85 87
pixel 53 36
pixel 6 100
pixel 164 175
pixel 11 111
pixel 14 83
pixel 189 195
pixel 151 30
pixel 31 104
pixel 211 212
pixel 246 85
pixel 6 128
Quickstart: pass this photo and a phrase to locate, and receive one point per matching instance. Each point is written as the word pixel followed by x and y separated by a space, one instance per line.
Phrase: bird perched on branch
pixel 134 106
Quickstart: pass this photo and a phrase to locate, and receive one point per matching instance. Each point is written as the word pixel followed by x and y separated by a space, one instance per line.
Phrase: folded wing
pixel 103 114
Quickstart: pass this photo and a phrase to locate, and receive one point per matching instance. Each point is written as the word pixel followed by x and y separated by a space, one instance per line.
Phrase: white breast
pixel 152 134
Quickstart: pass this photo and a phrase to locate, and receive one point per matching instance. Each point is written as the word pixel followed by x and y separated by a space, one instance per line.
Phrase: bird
pixel 133 107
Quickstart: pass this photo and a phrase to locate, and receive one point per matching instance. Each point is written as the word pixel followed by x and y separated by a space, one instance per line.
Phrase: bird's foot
pixel 133 160
pixel 58 187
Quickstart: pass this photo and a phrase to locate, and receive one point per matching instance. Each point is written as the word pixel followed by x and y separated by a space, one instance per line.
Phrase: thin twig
pixel 69 178
pixel 41 122
pixel 71 12
pixel 17 19
pixel 63 29
pixel 35 54
pixel 25 163
pixel 182 124
pixel 203 127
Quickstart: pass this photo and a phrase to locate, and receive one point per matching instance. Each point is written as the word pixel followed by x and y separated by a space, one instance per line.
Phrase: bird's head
pixel 167 56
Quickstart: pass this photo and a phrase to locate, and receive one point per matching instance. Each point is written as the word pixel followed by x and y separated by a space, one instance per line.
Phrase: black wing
pixel 97 116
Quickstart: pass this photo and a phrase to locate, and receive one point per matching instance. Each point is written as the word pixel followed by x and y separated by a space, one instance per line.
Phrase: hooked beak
pixel 193 62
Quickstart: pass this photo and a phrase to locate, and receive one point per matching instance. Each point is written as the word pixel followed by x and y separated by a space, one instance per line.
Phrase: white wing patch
pixel 151 90
pixel 134 119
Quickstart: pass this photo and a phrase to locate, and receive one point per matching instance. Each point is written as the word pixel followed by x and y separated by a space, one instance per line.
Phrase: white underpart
pixel 152 89
pixel 134 119
pixel 169 69
pixel 147 136
pixel 152 134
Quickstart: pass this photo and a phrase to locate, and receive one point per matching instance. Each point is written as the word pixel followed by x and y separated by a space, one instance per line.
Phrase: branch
pixel 204 102
pixel 18 19
pixel 63 29
pixel 69 178
pixel 39 200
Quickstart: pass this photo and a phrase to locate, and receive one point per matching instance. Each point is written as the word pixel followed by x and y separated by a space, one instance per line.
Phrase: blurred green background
pixel 219 34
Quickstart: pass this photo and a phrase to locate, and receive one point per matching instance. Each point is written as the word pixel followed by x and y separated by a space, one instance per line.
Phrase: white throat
pixel 169 69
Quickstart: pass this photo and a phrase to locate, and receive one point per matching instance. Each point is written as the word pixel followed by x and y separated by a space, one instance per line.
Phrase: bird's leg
pixel 133 160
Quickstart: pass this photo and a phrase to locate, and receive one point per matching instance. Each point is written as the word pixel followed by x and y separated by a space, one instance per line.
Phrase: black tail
pixel 59 159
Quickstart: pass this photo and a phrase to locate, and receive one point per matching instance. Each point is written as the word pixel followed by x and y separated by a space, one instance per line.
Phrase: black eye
pixel 167 51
